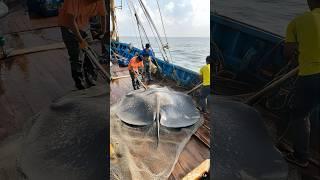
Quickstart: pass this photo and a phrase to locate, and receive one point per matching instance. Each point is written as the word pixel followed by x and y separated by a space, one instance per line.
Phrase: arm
pixel 152 54
pixel 201 76
pixel 103 25
pixel 75 29
pixel 290 51
pixel 291 43
pixel 101 11
pixel 103 22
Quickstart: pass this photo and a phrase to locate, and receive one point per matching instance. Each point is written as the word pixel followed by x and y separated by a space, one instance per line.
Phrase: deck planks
pixel 29 83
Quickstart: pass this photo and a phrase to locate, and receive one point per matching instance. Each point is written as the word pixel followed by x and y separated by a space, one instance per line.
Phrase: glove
pixel 83 44
pixel 136 74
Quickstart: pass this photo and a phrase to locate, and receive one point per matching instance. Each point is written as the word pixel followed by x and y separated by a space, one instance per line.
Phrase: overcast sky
pixel 182 18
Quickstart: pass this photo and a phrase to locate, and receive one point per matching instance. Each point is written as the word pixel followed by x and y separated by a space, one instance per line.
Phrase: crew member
pixel 148 56
pixel 74 17
pixel 303 39
pixel 135 68
pixel 205 89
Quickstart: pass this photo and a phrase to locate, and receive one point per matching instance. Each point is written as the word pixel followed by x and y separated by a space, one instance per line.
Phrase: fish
pixel 149 128
pixel 174 109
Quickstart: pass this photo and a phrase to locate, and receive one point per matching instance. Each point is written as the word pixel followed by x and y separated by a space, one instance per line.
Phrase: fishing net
pixel 146 152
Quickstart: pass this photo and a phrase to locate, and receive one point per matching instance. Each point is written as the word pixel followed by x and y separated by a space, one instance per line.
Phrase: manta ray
pixel 166 107
pixel 149 129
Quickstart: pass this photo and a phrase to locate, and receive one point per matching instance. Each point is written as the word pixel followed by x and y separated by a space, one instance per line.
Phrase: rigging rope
pixel 162 47
pixel 154 27
pixel 139 24
pixel 164 30
pixel 156 34
pixel 133 22
pixel 157 41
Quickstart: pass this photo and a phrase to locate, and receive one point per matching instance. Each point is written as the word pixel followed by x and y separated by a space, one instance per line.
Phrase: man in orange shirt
pixel 74 17
pixel 135 68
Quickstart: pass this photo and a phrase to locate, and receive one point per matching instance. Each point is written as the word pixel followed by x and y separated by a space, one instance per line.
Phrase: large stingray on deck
pixel 175 109
pixel 138 119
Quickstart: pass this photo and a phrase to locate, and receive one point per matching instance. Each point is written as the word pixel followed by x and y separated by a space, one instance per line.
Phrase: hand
pixel 104 38
pixel 83 44
pixel 136 74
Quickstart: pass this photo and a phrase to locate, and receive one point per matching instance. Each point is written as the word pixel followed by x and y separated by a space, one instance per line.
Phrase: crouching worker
pixel 135 68
pixel 205 89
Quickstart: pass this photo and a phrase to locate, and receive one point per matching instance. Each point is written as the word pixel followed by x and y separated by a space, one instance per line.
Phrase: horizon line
pixel 170 36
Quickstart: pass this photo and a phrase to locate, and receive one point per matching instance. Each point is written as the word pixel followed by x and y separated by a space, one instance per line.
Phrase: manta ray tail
pixel 158 119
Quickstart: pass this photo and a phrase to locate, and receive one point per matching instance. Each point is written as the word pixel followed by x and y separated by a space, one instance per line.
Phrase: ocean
pixel 270 15
pixel 188 52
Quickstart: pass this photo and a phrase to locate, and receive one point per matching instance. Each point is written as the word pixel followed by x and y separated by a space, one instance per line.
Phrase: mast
pixel 114 33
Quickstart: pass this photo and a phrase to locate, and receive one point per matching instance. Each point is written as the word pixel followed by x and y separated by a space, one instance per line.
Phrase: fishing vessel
pixel 29 82
pixel 249 69
pixel 168 75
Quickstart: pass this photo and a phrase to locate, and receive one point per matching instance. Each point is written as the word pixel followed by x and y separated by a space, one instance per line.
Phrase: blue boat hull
pixel 252 54
pixel 45 8
pixel 184 77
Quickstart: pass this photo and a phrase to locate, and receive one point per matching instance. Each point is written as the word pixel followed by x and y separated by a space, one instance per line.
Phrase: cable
pixel 139 23
pixel 164 30
pixel 154 27
pixel 133 22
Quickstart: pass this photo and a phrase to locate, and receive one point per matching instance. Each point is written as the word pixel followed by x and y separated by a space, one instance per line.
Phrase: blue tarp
pixel 44 7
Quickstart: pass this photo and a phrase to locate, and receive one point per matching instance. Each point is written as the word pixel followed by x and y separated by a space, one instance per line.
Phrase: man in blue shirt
pixel 148 55
pixel 148 50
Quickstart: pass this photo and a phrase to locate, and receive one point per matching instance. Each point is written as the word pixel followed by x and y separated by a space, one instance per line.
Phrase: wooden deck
pixel 195 152
pixel 29 83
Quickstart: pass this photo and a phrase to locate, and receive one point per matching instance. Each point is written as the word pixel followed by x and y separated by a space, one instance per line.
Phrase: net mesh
pixel 138 154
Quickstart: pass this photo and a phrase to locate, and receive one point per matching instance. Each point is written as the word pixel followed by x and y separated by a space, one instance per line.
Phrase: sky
pixel 182 18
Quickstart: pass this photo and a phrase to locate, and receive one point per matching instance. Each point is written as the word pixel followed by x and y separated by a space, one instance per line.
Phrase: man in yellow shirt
pixel 74 16
pixel 303 39
pixel 205 89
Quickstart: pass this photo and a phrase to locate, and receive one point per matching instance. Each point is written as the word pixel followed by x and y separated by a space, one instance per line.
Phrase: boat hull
pixel 182 76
